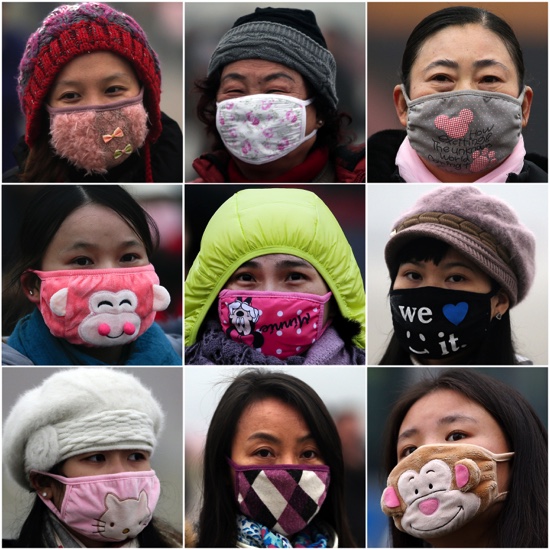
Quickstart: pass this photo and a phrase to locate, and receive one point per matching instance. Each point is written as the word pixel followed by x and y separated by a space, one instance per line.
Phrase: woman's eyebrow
pixel 294 263
pixel 449 63
pixel 445 420
pixel 482 63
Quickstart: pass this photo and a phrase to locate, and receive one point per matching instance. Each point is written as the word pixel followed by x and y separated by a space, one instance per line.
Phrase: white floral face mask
pixel 262 128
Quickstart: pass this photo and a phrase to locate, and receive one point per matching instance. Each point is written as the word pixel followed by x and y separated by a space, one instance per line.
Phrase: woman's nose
pixel 287 458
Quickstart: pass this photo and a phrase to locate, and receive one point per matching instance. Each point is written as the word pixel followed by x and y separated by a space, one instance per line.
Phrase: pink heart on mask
pixel 457 126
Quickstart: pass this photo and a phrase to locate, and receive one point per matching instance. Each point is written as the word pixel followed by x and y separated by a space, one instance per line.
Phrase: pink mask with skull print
pixel 101 307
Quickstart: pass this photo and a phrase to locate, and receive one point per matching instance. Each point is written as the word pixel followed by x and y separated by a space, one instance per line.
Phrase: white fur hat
pixel 79 410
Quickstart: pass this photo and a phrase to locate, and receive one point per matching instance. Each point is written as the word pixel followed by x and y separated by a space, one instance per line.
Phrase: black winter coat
pixel 383 147
pixel 166 161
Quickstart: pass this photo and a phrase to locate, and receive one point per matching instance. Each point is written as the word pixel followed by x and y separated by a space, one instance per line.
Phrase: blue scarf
pixel 257 535
pixel 32 338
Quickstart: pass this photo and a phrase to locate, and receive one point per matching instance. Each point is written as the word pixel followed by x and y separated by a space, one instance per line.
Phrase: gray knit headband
pixel 280 44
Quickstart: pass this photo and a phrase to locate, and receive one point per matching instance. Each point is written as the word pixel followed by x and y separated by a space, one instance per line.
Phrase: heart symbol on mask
pixel 457 126
pixel 455 313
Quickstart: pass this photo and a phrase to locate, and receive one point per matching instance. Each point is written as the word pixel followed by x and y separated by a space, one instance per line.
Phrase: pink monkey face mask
pixel 107 508
pixel 280 324
pixel 101 307
pixel 97 138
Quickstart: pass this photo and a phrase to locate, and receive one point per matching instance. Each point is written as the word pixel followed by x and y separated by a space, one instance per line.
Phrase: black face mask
pixel 436 322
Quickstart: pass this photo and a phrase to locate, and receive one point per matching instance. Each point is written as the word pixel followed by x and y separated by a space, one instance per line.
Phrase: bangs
pixel 423 249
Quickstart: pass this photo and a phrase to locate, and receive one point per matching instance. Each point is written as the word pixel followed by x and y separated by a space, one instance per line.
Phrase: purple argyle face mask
pixel 284 498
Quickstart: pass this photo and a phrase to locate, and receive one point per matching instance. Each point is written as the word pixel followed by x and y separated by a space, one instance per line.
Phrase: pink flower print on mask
pixel 483 160
pixel 291 116
pixel 229 106
pixel 266 105
pixel 222 121
pixel 457 126
pixel 268 133
pixel 283 145
pixel 246 148
pixel 252 118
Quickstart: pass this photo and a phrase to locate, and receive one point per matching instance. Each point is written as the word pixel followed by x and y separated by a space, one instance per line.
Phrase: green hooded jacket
pixel 256 222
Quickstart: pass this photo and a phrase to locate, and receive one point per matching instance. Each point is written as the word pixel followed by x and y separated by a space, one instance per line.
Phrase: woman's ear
pixel 42 484
pixel 526 106
pixel 400 105
pixel 500 303
pixel 31 286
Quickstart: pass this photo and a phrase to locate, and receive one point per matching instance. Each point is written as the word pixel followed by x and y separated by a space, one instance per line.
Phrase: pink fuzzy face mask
pixel 101 307
pixel 438 488
pixel 97 138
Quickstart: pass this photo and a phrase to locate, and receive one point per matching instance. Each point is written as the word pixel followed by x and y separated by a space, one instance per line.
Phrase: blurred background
pixel 529 319
pixel 345 400
pixel 161 21
pixel 391 23
pixel 385 384
pixel 346 202
pixel 162 202
pixel 166 385
pixel 342 25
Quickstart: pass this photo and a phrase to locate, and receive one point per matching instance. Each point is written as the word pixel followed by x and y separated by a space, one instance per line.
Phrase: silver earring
pixel 30 292
pixel 498 316
pixel 44 494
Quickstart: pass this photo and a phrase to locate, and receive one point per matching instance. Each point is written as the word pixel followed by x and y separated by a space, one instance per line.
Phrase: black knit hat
pixel 283 35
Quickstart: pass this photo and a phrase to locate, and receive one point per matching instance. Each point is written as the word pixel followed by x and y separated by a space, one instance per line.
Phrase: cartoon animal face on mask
pixel 243 315
pixel 124 518
pixel 439 488
pixel 101 307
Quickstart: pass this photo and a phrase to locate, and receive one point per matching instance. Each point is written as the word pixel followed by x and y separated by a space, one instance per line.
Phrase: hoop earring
pixel 498 316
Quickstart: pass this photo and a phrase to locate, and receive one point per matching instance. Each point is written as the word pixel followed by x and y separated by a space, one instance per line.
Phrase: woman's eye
pixel 413 276
pixel 456 436
pixel 296 276
pixel 129 257
pixel 441 78
pixel 491 79
pixel 309 454
pixel 137 457
pixel 96 458
pixel 115 89
pixel 82 261
pixel 457 278
pixel 263 453
pixel 246 277
pixel 407 451
pixel 69 96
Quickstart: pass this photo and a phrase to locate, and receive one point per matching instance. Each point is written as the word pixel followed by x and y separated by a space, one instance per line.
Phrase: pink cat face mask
pixel 107 508
pixel 280 324
pixel 97 138
pixel 101 307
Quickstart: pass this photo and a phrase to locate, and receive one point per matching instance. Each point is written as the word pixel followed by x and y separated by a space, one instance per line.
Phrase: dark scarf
pixel 215 348
pixel 33 339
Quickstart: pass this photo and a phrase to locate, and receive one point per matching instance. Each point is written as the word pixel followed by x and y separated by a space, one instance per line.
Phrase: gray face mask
pixel 464 132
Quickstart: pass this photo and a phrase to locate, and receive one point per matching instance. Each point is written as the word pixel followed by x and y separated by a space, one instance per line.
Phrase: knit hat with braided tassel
pixel 75 411
pixel 480 226
pixel 72 30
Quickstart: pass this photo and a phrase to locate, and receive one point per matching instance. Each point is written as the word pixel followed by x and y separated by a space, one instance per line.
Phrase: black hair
pixel 157 534
pixel 460 16
pixel 45 213
pixel 523 521
pixel 217 522
pixel 497 348
pixel 331 134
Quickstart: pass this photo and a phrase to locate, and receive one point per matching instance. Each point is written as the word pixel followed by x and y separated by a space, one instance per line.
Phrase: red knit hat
pixel 71 30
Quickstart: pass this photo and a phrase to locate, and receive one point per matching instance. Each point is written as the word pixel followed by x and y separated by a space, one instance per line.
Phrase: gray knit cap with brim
pixel 481 227
pixel 291 38
pixel 75 411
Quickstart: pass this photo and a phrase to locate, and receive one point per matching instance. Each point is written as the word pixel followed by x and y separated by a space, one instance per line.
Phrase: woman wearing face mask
pixel 458 261
pixel 84 265
pixel 457 415
pixel 269 100
pixel 275 282
pixel 89 86
pixel 463 101
pixel 92 491
pixel 272 426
